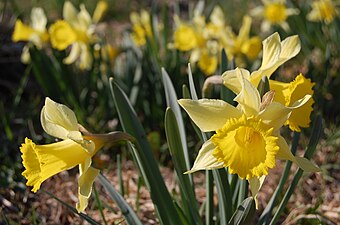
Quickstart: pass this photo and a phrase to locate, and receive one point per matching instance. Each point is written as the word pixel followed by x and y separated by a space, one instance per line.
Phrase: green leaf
pixel 176 151
pixel 263 86
pixel 313 141
pixel 142 153
pixel 129 214
pixel 244 213
pixel 171 100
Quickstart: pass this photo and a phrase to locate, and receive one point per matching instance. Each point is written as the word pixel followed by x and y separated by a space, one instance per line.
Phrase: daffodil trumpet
pixel 76 148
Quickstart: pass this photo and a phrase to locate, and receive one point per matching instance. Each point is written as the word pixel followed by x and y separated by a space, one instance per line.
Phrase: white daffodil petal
pixel 209 114
pixel 57 119
pixel 74 54
pixel 232 81
pixel 38 19
pixel 70 13
pixel 205 159
pixel 255 184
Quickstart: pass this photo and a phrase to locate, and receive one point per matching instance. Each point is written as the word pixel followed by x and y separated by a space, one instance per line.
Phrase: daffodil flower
pixel 141 26
pixel 287 93
pixel 238 46
pixel 77 148
pixel 76 30
pixel 274 12
pixel 247 138
pixel 323 10
pixel 35 33
pixel 275 53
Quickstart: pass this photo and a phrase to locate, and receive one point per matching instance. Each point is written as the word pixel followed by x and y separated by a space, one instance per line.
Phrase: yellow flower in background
pixel 274 12
pixel 185 38
pixel 247 138
pixel 99 11
pixel 323 10
pixel 238 46
pixel 76 148
pixel 34 33
pixel 208 63
pixel 62 35
pixel 141 27
pixel 287 93
pixel 76 30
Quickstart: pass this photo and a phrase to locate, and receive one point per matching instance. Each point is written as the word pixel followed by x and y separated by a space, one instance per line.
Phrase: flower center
pixel 275 12
pixel 246 146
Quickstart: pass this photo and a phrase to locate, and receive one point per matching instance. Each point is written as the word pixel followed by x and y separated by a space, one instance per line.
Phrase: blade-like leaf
pixel 171 100
pixel 129 214
pixel 142 154
pixel 244 213
pixel 176 151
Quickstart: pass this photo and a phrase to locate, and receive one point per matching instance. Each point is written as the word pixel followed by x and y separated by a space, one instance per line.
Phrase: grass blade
pixel 129 214
pixel 245 213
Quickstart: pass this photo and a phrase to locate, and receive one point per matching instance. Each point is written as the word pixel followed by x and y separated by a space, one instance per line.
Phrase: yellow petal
pixel 185 38
pixel 98 13
pixel 284 153
pixel 277 114
pixel 57 119
pixel 248 98
pixel 255 184
pixel 209 114
pixel 275 53
pixel 205 159
pixel 271 50
pixel 243 34
pixel 231 79
pixel 85 182
pixel 44 161
pixel 290 47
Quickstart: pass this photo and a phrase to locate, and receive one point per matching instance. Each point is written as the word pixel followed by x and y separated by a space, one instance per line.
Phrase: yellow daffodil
pixel 287 93
pixel 275 53
pixel 238 46
pixel 75 30
pixel 274 12
pixel 77 147
pixel 141 26
pixel 323 10
pixel 247 138
pixel 34 33
pixel 185 37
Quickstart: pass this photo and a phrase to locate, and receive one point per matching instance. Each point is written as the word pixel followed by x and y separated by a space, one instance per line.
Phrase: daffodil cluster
pixel 76 148
pixel 247 137
pixel 205 40
pixel 75 32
